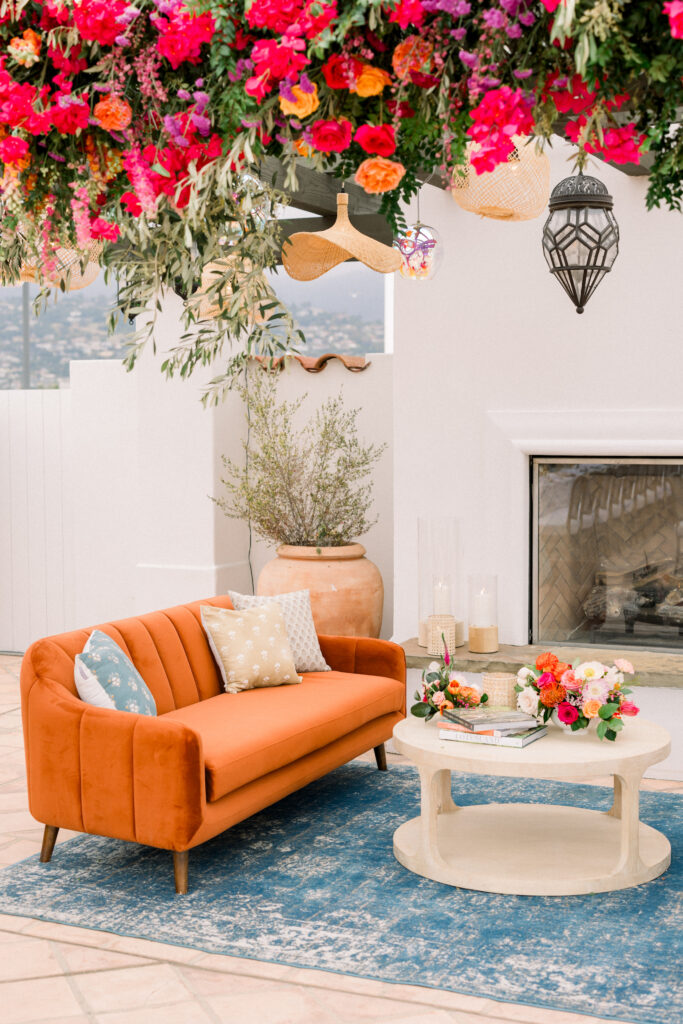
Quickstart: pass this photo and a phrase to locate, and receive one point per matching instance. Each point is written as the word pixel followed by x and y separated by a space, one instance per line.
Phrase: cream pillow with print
pixel 250 647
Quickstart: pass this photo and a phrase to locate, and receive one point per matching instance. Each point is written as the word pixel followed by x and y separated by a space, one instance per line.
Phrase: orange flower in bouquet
pixel 304 103
pixel 371 81
pixel 411 55
pixel 378 174
pixel 113 113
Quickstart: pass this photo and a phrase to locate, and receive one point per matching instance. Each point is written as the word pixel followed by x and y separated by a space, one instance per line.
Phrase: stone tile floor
pixel 55 974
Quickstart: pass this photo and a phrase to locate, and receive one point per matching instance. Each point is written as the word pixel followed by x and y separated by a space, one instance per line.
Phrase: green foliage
pixel 300 484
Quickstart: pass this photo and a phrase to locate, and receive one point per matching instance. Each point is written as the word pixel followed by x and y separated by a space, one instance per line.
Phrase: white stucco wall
pixel 492 363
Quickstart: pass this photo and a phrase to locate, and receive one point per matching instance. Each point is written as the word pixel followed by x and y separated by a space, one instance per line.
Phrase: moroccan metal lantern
pixel 581 236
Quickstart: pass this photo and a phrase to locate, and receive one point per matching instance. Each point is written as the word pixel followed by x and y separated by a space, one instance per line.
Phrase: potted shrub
pixel 306 487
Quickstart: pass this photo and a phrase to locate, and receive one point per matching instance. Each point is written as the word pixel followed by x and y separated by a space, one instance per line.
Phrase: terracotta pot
pixel 347 593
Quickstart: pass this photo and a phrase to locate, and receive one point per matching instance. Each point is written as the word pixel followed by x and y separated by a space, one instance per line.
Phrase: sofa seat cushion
pixel 246 735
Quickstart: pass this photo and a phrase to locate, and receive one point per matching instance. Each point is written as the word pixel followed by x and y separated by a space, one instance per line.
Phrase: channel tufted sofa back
pixel 169 649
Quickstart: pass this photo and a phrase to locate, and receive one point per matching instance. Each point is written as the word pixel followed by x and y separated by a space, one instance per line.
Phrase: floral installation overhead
pixel 442 689
pixel 575 697
pixel 143 124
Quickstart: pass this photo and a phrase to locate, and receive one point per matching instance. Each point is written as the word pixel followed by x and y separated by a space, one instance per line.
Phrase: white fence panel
pixel 36 592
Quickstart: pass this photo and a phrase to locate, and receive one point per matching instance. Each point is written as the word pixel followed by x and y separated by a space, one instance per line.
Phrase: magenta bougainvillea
pixel 138 119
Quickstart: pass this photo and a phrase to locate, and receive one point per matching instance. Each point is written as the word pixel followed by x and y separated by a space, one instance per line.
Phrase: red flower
pixel 341 71
pixel 13 150
pixel 551 5
pixel 182 34
pixel 331 136
pixel 408 12
pixel 423 81
pixel 69 114
pixel 131 203
pixel 376 139
pixel 101 228
pixel 401 109
pixel 100 21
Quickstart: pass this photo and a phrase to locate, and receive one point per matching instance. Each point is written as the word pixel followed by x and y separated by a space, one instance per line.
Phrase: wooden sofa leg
pixel 180 865
pixel 49 839
pixel 381 757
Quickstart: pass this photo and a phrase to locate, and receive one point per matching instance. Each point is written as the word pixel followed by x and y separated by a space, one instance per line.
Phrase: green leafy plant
pixel 303 483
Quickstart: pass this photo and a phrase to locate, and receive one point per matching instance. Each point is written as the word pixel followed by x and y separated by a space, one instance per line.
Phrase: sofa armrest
pixel 108 772
pixel 364 655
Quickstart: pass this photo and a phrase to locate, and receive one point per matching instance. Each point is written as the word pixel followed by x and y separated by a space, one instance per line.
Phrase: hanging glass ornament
pixel 420 248
pixel 580 236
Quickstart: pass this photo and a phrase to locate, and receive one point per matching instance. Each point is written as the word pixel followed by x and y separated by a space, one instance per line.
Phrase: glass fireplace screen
pixel 607 551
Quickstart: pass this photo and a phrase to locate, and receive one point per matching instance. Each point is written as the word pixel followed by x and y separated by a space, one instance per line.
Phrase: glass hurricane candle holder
pixel 436 559
pixel 483 613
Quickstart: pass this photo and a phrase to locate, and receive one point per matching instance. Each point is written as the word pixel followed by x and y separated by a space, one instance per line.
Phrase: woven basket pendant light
pixel 310 254
pixel 515 190
pixel 69 260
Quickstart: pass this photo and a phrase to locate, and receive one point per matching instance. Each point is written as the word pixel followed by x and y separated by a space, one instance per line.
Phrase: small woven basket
pixel 438 625
pixel 516 190
pixel 500 688
pixel 69 261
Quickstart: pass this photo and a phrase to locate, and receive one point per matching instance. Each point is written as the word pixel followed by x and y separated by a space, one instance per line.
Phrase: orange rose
pixel 113 113
pixel 379 174
pixel 560 669
pixel 546 662
pixel 552 695
pixel 453 686
pixel 305 103
pixel 470 694
pixel 411 55
pixel 371 81
pixel 591 708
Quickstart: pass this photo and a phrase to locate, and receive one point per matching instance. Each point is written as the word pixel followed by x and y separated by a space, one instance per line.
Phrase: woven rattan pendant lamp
pixel 516 190
pixel 310 254
pixel 69 267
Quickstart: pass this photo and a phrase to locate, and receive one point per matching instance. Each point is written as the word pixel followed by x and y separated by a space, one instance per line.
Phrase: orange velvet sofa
pixel 209 759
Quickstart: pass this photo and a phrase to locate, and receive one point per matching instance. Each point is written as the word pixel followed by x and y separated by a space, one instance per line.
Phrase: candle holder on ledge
pixel 437 553
pixel 483 614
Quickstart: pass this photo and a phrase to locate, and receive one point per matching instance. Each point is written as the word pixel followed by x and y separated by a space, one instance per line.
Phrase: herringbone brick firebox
pixel 607 551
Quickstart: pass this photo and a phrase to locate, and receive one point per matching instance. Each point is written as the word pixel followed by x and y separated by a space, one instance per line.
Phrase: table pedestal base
pixel 529 849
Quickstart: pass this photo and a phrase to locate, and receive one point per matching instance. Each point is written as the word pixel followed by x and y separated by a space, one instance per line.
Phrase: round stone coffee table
pixel 533 849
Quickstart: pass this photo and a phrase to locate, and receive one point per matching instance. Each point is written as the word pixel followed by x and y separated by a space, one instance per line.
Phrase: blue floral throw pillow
pixel 105 677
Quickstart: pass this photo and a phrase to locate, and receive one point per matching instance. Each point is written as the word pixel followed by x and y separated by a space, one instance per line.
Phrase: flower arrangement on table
pixel 144 124
pixel 443 689
pixel 576 696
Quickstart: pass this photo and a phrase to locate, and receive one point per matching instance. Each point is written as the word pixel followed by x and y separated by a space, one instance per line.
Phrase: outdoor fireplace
pixel 607 551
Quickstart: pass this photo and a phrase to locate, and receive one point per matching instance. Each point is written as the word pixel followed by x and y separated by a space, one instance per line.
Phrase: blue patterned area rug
pixel 312 882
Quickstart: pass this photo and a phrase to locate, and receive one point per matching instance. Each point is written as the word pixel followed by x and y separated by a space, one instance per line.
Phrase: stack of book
pixel 497 726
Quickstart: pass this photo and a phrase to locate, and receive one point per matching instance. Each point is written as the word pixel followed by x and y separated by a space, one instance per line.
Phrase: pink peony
pixel 546 679
pixel 622 663
pixel 675 11
pixel 629 708
pixel 567 713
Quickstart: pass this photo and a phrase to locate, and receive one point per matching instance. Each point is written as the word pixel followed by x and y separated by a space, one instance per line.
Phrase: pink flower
pixel 675 11
pixel 446 655
pixel 569 680
pixel 438 698
pixel 501 113
pixel 622 663
pixel 101 228
pixel 551 5
pixel 629 708
pixel 331 136
pixel 546 679
pixel 567 713
pixel 408 12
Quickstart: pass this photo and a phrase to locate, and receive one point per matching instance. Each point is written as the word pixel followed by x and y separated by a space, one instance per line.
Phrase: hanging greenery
pixel 142 124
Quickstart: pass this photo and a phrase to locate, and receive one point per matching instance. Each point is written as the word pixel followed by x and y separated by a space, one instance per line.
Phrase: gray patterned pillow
pixel 296 610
